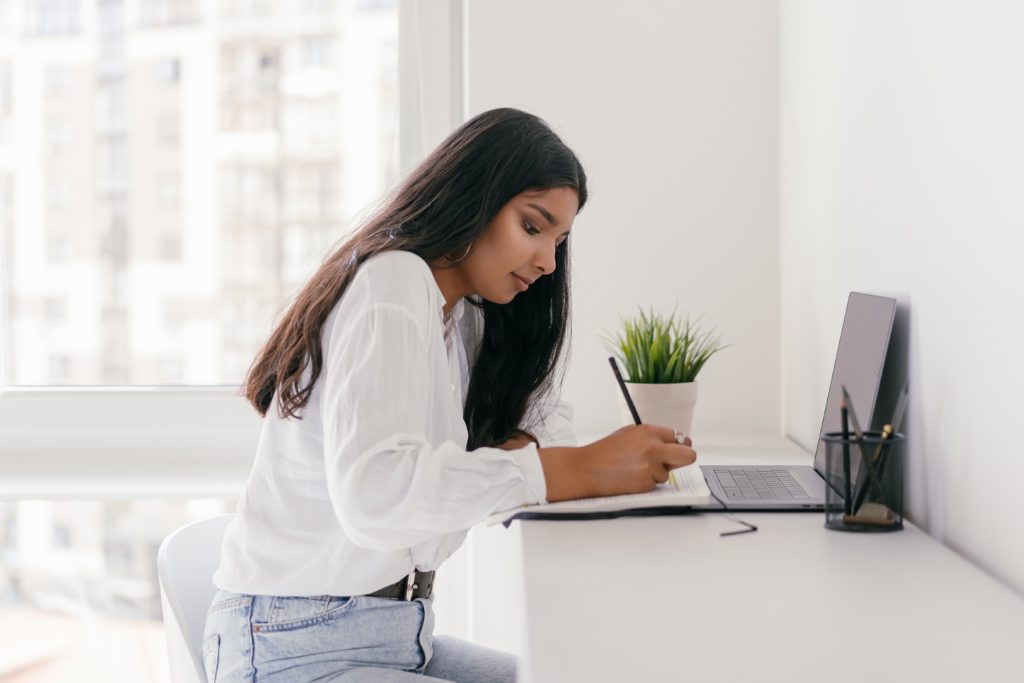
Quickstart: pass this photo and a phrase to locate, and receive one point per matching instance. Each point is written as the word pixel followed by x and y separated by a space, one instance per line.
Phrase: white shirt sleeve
pixel 392 481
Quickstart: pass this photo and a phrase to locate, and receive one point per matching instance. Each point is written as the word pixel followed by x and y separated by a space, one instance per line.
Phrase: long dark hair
pixel 440 209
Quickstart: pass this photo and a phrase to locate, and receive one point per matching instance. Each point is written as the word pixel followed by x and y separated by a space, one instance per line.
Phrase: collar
pixel 455 314
pixel 458 309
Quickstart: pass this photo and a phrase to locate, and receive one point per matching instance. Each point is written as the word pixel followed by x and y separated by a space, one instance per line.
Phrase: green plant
pixel 658 349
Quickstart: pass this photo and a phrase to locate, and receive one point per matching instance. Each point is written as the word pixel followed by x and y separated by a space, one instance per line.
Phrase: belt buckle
pixel 410 585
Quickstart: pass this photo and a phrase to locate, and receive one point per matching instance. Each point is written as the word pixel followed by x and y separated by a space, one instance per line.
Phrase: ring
pixel 678 437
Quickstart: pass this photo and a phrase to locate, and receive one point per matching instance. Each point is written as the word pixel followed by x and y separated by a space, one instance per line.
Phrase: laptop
pixel 863 343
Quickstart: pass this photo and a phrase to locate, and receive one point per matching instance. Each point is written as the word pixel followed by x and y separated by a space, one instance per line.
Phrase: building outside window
pixel 175 211
pixel 53 17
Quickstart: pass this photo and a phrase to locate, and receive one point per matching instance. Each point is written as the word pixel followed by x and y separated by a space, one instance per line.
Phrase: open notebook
pixel 685 488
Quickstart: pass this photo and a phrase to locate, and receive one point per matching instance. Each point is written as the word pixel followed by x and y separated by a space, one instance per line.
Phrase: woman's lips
pixel 522 284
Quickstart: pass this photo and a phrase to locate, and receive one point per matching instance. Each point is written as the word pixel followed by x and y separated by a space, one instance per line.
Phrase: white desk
pixel 668 599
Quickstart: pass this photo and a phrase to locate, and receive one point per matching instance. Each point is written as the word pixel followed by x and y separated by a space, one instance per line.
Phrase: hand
pixel 634 459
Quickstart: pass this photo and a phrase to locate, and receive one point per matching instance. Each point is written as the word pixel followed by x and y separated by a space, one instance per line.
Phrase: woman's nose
pixel 545 260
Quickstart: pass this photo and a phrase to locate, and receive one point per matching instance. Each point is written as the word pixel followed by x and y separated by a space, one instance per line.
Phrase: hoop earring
pixel 453 261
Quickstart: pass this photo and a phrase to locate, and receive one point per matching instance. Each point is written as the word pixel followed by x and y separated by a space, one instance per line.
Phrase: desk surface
pixel 668 599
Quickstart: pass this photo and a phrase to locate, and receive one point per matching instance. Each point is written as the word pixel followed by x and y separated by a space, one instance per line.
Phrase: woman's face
pixel 518 246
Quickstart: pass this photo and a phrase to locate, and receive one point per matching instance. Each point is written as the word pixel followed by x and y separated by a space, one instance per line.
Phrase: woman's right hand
pixel 633 459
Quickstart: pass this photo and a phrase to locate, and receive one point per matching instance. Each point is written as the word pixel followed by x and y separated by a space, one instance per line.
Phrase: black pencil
pixel 863 492
pixel 848 497
pixel 625 391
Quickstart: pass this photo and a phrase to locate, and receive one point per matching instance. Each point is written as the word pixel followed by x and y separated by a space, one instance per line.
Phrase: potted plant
pixel 661 357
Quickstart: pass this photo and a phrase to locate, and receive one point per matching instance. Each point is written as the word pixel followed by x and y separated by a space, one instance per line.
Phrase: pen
pixel 625 391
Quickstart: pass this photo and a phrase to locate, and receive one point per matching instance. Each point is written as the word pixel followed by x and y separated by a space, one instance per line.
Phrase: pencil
pixel 847 498
pixel 625 391
pixel 888 431
pixel 886 434
pixel 867 462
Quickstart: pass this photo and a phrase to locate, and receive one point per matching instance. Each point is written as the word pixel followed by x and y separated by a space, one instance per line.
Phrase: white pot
pixel 668 405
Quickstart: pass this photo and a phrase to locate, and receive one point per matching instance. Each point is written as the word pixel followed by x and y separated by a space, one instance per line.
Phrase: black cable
pixel 730 514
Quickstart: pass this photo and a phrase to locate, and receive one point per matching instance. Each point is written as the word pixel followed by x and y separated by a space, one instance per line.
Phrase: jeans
pixel 358 639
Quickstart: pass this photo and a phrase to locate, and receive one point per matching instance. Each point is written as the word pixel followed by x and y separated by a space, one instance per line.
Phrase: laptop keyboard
pixel 759 483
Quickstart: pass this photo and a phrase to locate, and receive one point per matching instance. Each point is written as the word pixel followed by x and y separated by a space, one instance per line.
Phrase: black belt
pixel 415 585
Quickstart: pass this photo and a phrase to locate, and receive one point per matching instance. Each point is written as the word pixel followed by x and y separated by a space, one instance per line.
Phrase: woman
pixel 407 395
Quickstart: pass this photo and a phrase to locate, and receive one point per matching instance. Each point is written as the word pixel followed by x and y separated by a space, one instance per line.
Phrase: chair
pixel 185 563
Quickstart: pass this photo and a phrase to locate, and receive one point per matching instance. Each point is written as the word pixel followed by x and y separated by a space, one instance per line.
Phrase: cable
pixel 731 515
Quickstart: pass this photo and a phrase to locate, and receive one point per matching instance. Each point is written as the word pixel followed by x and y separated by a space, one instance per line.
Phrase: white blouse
pixel 375 479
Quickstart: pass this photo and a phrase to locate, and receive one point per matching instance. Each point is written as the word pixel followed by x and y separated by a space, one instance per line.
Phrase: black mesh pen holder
pixel 864 478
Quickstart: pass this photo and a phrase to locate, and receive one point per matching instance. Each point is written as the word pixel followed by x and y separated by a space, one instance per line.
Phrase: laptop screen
pixel 859 360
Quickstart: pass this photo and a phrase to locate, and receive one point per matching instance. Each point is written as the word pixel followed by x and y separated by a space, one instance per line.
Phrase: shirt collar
pixel 456 313
pixel 457 310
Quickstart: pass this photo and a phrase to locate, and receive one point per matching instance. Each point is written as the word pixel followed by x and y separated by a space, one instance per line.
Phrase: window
pixel 110 63
pixel 58 249
pixel 56 310
pixel 320 5
pixel 79 580
pixel 58 137
pixel 5 89
pixel 169 191
pixel 167 12
pixel 55 80
pixel 220 111
pixel 60 368
pixel 316 50
pixel 168 71
pixel 168 128
pixel 54 17
pixel 58 193
pixel 172 368
pixel 6 11
pixel 112 164
pixel 258 142
pixel 6 214
pixel 125 394
pixel 170 247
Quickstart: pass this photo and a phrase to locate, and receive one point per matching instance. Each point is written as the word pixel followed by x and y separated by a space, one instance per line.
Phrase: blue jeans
pixel 256 638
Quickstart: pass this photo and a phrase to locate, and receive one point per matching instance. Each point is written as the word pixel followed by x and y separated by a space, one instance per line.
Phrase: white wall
pixel 901 174
pixel 672 108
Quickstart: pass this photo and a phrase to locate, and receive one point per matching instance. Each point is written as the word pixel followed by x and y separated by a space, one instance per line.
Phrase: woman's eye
pixel 529 228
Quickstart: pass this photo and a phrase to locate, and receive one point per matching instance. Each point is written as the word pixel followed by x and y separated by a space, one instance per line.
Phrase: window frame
pixel 137 441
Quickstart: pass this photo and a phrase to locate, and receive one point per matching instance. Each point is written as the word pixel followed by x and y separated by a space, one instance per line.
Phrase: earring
pixel 451 260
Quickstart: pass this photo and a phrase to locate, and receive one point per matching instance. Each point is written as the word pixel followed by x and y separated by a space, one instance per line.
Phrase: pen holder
pixel 864 482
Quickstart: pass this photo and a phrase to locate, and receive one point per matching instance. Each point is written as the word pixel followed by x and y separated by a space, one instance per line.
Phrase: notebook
pixel 684 489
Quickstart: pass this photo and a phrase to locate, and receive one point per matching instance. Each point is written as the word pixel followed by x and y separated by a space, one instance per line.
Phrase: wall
pixel 901 146
pixel 672 108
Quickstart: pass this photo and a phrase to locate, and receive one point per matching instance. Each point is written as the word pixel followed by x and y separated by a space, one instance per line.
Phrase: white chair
pixel 185 563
